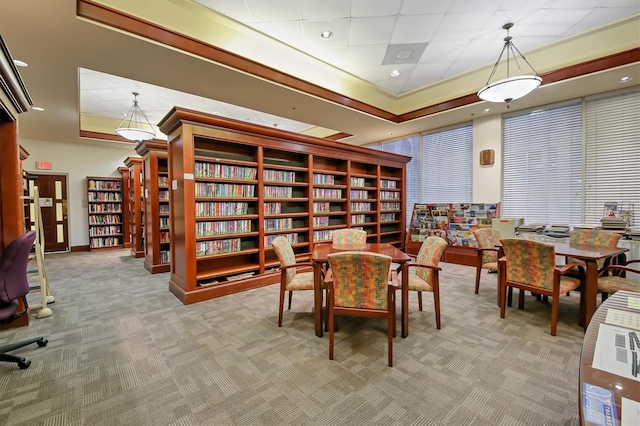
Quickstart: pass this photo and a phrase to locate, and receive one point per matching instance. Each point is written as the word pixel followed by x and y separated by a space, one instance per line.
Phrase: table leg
pixel 405 300
pixel 317 297
pixel 590 291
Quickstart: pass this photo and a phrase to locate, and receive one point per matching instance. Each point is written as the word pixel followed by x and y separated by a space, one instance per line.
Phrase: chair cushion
pixel 568 284
pixel 301 281
pixel 415 283
pixel 492 266
pixel 611 284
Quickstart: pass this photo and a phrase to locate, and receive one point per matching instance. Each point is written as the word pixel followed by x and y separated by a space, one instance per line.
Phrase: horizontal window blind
pixel 447 165
pixel 542 165
pixel 411 147
pixel 612 154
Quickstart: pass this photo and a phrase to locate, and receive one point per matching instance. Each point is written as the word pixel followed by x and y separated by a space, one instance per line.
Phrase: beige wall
pixel 78 160
pixel 487 134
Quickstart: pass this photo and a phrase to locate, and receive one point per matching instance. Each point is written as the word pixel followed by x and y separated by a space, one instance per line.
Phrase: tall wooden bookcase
pixel 235 186
pixel 106 215
pixel 155 169
pixel 135 206
pixel 126 231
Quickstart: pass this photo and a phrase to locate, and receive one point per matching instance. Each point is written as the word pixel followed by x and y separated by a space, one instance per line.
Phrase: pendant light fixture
pixel 511 87
pixel 135 126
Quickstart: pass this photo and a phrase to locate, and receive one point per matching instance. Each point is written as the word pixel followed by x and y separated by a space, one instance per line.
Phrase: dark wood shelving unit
pixel 235 186
pixel 106 212
pixel 135 206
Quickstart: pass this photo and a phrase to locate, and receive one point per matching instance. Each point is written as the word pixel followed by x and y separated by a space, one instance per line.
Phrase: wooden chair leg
pixel 436 304
pixel 290 296
pixel 521 299
pixel 478 271
pixel 331 331
pixel 391 319
pixel 555 308
pixel 604 296
pixel 509 296
pixel 503 299
pixel 281 306
pixel 420 301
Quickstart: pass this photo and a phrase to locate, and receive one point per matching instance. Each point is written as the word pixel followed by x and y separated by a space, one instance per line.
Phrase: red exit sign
pixel 43 165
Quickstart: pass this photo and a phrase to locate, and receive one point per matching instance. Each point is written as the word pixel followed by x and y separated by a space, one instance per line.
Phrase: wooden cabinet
pixel 155 170
pixel 135 206
pixel 235 186
pixel 106 219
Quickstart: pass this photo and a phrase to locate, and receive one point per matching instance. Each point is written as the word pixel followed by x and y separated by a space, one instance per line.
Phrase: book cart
pixel 235 186
pixel 452 222
pixel 135 206
pixel 105 201
pixel 155 168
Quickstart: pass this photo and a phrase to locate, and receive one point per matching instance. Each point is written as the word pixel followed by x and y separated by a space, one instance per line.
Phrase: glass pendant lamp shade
pixel 511 87
pixel 135 126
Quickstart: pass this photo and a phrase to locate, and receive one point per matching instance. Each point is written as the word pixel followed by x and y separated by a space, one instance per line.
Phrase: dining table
pixel 590 255
pixel 319 260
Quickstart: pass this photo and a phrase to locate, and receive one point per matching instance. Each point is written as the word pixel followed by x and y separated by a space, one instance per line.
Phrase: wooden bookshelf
pixel 126 231
pixel 155 169
pixel 135 206
pixel 106 215
pixel 235 186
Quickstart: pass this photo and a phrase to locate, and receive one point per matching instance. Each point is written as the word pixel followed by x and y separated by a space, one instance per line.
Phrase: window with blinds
pixel 447 165
pixel 542 165
pixel 612 154
pixel 411 147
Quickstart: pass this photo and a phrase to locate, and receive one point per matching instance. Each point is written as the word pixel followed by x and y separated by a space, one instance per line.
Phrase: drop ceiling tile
pixel 392 86
pixel 273 10
pixel 364 31
pixel 368 8
pixel 416 29
pixel 336 56
pixel 453 23
pixel 313 10
pixel 597 16
pixel 365 55
pixel 412 7
pixel 313 29
pixel 442 51
pixel 290 32
pixel 475 6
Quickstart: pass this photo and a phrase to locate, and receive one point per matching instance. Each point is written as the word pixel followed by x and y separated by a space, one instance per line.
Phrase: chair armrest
pixel 496 249
pixel 562 270
pixel 296 265
pixel 420 265
pixel 631 261
pixel 622 268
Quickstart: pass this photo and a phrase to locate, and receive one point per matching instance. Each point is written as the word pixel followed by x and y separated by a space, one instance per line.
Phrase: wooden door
pixel 54 207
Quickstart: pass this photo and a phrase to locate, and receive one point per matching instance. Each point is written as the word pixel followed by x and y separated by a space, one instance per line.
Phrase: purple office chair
pixel 13 286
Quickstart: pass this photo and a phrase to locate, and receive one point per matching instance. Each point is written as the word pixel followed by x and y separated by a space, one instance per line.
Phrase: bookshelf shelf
pixel 105 212
pixel 268 182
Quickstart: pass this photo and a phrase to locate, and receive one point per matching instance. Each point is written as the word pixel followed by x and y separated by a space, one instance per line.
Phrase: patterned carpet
pixel 124 351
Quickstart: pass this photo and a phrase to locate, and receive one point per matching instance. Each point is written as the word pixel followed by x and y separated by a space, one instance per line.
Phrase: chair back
pixel 349 237
pixel 13 268
pixel 487 238
pixel 594 237
pixel 360 279
pixel 430 254
pixel 285 254
pixel 529 262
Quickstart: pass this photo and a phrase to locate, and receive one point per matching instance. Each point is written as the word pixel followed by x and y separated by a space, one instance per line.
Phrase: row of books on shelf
pixel 165 256
pixel 359 194
pixel 389 195
pixel 105 208
pixel 207 248
pixel 164 236
pixel 223 209
pixel 226 171
pixel 96 231
pixel 292 238
pixel 104 185
pixel 163 195
pixel 104 219
pixel 277 224
pixel 279 176
pixel 278 192
pixel 206 189
pixel 163 209
pixel 327 193
pixel 104 196
pixel 164 222
pixel 207 229
pixel 163 181
pixel 104 242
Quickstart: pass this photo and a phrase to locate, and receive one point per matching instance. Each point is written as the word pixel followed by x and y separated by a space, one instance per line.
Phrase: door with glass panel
pixel 54 208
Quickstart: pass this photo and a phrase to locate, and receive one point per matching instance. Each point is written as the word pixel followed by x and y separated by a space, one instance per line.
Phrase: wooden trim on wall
pixel 114 18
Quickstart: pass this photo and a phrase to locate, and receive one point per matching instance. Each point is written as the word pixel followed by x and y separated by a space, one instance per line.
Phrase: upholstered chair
pixel 426 276
pixel 593 238
pixel 290 279
pixel 348 237
pixel 531 266
pixel 487 251
pixel 609 284
pixel 362 286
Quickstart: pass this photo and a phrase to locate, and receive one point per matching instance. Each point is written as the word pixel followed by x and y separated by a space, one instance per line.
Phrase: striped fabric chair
pixel 426 276
pixel 362 286
pixel 531 266
pixel 488 253
pixel 290 279
pixel 609 284
pixel 348 237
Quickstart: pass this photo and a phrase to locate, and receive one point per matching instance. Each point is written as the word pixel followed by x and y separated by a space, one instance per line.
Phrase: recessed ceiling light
pixel 326 35
pixel 37 108
pixel 216 112
pixel 395 73
pixel 389 133
pixel 486 110
pixel 19 63
pixel 626 79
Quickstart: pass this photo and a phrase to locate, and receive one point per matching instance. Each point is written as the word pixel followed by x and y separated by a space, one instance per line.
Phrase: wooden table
pixel 319 258
pixel 618 386
pixel 590 255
